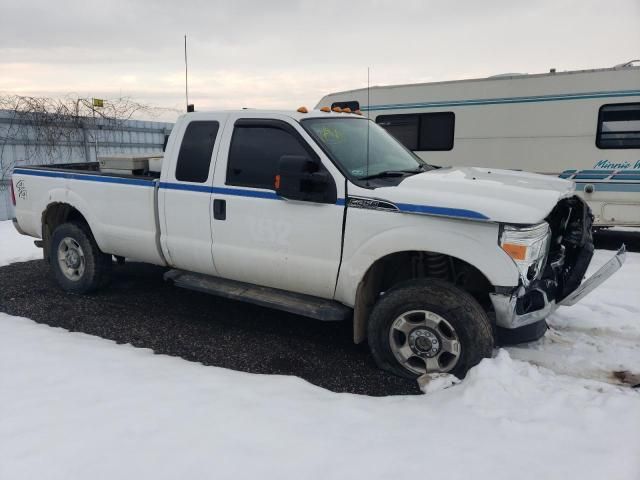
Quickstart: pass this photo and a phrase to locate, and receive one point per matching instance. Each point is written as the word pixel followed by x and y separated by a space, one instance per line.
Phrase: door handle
pixel 219 209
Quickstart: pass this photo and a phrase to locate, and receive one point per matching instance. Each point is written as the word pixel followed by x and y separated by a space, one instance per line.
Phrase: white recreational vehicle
pixel 581 125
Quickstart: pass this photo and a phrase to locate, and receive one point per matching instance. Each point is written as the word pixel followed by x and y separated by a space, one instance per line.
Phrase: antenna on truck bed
pixel 186 81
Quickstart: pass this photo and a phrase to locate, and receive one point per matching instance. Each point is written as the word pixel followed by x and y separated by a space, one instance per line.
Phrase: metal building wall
pixel 21 145
pixel 6 208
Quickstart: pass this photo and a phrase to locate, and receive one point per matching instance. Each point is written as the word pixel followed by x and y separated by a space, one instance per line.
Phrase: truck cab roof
pixel 259 113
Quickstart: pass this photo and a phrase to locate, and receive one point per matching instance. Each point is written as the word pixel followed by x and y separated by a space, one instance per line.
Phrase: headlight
pixel 528 247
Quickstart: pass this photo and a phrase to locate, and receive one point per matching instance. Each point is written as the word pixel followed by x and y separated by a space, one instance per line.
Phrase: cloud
pixel 280 54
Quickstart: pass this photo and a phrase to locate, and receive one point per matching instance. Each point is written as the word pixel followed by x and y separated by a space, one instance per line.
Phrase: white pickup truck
pixel 326 215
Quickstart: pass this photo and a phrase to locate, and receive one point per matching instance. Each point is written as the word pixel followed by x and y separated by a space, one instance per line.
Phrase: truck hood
pixel 505 196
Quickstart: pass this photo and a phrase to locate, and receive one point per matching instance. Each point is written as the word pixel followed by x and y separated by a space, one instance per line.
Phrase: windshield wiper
pixel 392 173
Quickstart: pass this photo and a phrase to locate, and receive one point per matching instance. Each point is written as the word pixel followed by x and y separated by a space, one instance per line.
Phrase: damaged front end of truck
pixel 553 258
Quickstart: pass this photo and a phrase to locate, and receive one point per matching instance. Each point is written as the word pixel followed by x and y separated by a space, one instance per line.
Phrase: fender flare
pixel 493 263
pixel 68 197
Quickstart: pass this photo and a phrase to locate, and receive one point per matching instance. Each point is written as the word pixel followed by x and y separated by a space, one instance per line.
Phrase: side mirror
pixel 300 178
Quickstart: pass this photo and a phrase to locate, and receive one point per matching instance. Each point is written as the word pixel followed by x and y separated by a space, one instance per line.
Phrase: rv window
pixel 619 126
pixel 255 152
pixel 436 131
pixel 403 127
pixel 421 132
pixel 351 105
pixel 194 158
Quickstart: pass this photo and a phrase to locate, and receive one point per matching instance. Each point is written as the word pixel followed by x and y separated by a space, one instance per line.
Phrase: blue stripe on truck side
pixel 88 178
pixel 241 192
pixel 441 211
pixel 185 186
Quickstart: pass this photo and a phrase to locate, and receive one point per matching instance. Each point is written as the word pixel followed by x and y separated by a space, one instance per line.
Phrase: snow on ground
pixel 77 406
pixel 597 336
pixel 74 406
pixel 15 247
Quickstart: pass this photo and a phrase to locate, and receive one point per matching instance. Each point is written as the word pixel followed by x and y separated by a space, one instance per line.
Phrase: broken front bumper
pixel 539 307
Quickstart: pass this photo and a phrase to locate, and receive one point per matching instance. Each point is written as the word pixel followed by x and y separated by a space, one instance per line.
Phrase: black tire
pixel 460 310
pixel 96 271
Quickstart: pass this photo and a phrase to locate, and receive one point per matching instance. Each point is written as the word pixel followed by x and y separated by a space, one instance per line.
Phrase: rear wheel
pixel 77 263
pixel 429 326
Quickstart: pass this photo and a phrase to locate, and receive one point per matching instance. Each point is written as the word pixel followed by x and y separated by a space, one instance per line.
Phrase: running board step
pixel 299 304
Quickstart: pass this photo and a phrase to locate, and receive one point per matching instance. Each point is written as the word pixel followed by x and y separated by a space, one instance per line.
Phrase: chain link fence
pixel 25 144
pixel 6 207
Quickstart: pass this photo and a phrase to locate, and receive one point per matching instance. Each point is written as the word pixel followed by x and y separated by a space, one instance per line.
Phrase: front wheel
pixel 78 265
pixel 429 326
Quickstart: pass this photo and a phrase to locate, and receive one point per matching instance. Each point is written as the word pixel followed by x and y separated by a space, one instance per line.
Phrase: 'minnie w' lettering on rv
pixel 606 164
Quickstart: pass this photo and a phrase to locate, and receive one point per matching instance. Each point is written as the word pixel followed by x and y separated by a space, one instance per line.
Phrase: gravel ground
pixel 141 309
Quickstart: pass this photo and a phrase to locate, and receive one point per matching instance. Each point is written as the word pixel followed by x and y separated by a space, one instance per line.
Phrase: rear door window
pixel 194 158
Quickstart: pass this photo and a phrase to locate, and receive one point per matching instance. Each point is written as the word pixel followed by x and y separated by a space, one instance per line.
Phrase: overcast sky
pixel 282 54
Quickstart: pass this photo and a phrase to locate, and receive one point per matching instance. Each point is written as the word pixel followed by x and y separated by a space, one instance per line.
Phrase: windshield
pixel 345 139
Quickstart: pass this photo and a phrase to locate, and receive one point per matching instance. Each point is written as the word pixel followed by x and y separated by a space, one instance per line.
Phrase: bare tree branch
pixel 49 128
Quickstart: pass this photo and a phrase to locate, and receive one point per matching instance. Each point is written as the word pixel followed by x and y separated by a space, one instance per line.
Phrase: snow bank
pixel 15 247
pixel 77 406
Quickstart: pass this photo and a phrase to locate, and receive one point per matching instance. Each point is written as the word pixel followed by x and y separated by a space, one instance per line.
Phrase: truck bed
pixel 121 208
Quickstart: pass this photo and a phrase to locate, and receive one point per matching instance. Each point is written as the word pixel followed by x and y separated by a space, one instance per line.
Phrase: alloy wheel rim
pixel 71 259
pixel 424 342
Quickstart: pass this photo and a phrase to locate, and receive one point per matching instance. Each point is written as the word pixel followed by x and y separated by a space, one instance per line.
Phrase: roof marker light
pixel 337 109
pixel 346 110
pixel 302 110
pixel 325 109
